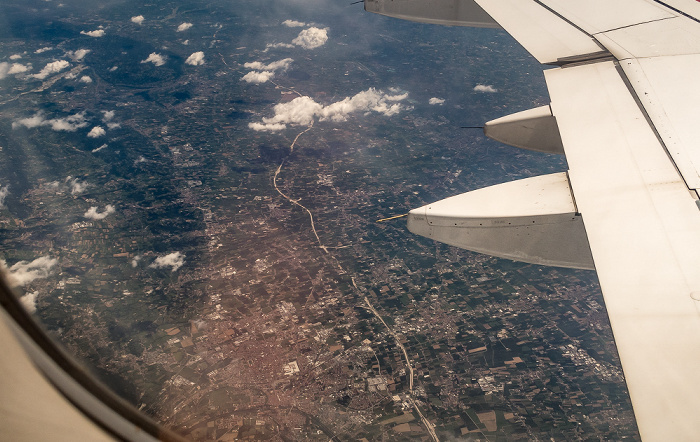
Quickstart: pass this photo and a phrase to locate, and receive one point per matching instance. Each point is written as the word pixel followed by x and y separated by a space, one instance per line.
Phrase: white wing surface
pixel 626 102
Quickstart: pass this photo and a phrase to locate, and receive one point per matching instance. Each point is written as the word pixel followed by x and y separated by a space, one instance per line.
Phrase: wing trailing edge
pixel 438 12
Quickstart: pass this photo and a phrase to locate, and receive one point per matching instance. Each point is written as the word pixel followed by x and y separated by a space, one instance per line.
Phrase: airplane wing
pixel 625 110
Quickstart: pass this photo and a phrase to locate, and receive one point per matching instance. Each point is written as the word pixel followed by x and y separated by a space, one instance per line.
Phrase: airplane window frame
pixel 91 397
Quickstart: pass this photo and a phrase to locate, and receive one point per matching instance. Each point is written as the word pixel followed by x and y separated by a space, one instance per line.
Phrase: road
pixel 428 425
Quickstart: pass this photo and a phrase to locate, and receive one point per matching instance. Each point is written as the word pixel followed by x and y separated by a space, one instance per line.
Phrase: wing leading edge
pixel 624 104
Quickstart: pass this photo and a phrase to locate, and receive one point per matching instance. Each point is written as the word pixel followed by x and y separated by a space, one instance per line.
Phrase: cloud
pixel 264 72
pixel 28 301
pixel 96 132
pixel 258 77
pixel 94 214
pixel 278 45
pixel 79 54
pixel 300 111
pixel 294 24
pixel 14 68
pixel 154 58
pixel 104 146
pixel 369 100
pixel 174 260
pixel 4 191
pixel 138 19
pixel 107 116
pixel 436 100
pixel 135 261
pixel 51 68
pixel 271 127
pixel 18 68
pixel 76 186
pixel 196 59
pixel 274 66
pixel 484 88
pixel 85 79
pixel 184 27
pixel 15 56
pixel 30 122
pixel 311 38
pixel 95 33
pixel 399 97
pixel 23 272
pixel 67 124
pixel 44 49
pixel 303 110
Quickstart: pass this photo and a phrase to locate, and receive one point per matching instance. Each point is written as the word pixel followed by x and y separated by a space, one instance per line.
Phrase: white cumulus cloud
pixel 76 186
pixel 51 68
pixel 96 132
pixel 79 54
pixel 155 58
pixel 30 122
pixel 484 88
pixel 95 214
pixel 107 116
pixel 264 72
pixel 184 26
pixel 104 146
pixel 436 100
pixel 15 56
pixel 271 127
pixel 174 260
pixel 95 33
pixel 278 45
pixel 294 24
pixel 10 69
pixel 196 59
pixel 85 79
pixel 258 77
pixel 303 110
pixel 300 111
pixel 274 66
pixel 138 19
pixel 67 124
pixel 4 191
pixel 18 68
pixel 24 272
pixel 311 38
pixel 42 50
pixel 135 261
pixel 28 301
